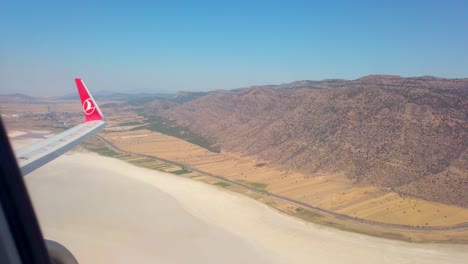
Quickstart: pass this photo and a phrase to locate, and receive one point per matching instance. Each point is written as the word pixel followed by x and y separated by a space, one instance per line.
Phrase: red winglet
pixel 90 108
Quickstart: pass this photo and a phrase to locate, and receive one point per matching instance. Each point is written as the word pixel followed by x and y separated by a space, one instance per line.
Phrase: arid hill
pixel 409 135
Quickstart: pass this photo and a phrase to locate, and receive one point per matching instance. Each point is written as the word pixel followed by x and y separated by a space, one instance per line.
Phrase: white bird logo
pixel 88 106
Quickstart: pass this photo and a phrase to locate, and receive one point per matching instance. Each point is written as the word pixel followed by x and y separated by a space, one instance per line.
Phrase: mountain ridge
pixel 402 134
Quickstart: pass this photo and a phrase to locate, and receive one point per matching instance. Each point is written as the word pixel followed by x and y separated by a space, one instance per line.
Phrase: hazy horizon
pixel 203 46
pixel 70 91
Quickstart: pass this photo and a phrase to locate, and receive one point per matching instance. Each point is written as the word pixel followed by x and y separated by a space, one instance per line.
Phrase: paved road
pixel 283 198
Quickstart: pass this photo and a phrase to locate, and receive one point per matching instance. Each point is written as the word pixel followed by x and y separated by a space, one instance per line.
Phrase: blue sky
pixel 206 45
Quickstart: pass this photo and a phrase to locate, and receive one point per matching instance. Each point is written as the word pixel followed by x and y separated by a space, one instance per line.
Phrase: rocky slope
pixel 409 135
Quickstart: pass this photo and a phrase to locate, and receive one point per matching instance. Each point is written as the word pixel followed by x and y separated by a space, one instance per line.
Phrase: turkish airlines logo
pixel 88 106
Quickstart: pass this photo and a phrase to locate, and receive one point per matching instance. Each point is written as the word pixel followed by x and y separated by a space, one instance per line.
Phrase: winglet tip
pixel 90 108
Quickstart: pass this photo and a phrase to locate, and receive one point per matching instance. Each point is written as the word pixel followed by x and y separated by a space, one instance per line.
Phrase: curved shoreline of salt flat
pixel 106 210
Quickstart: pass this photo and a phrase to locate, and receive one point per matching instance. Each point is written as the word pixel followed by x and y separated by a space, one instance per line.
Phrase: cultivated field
pixel 329 191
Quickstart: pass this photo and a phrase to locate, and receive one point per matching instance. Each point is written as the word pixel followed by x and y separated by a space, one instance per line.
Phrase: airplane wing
pixel 34 156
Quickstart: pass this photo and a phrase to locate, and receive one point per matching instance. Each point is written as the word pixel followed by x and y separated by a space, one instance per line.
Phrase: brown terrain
pixel 384 149
pixel 408 135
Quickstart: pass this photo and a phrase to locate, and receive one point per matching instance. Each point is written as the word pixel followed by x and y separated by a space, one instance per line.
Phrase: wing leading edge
pixel 33 157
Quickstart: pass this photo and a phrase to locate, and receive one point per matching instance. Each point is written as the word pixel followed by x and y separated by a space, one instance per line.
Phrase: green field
pixel 223 184
pixel 180 172
pixel 256 185
pixel 105 151
pixel 140 161
pixel 307 215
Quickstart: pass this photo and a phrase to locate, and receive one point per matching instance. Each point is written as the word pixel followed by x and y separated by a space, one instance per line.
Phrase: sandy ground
pixel 103 216
pixel 108 211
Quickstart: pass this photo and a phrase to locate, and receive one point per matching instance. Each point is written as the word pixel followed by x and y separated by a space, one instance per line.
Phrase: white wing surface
pixel 34 156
